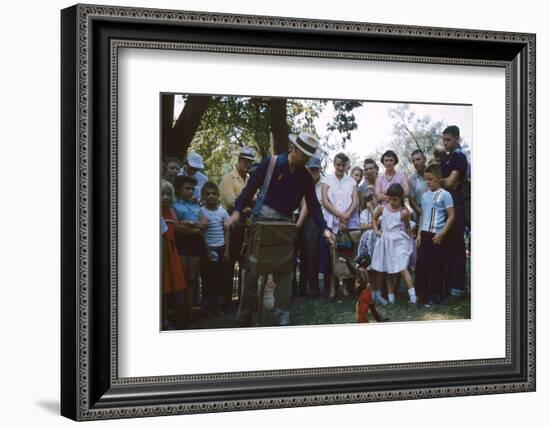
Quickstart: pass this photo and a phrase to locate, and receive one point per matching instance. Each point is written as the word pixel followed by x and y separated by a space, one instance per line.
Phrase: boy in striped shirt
pixel 435 222
pixel 217 285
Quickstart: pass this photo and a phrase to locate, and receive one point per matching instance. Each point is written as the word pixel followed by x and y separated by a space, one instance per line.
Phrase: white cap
pixel 195 160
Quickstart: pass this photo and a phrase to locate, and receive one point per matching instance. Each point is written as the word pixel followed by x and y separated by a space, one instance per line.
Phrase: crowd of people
pixel 403 228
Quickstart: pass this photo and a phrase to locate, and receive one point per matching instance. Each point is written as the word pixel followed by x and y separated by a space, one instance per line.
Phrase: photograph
pixel 302 212
pixel 313 182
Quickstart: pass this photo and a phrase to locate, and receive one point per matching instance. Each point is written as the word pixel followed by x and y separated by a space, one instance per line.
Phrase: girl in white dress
pixel 393 247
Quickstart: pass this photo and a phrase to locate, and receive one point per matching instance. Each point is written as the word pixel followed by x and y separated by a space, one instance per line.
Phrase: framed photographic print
pixel 347 212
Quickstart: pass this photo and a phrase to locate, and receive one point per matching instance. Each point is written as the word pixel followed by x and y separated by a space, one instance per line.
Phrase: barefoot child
pixel 393 247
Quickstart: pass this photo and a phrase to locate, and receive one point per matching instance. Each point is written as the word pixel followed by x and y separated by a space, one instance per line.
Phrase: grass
pixel 342 311
pixel 320 310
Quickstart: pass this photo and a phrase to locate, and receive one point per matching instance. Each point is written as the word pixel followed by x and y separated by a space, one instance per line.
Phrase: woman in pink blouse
pixel 384 180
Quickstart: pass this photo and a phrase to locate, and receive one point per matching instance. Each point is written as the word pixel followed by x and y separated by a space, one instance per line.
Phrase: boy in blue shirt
pixel 189 235
pixel 436 220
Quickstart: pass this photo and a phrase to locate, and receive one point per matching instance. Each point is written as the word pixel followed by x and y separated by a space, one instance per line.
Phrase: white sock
pixel 376 294
pixel 412 295
pixel 391 297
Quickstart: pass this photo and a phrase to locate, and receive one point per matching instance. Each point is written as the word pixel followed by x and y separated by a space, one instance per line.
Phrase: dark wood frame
pixel 90 387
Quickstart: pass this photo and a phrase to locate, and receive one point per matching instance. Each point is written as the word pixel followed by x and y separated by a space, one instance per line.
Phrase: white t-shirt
pixel 214 234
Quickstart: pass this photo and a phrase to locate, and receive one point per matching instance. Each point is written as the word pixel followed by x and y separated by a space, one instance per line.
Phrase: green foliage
pixel 231 122
pixel 344 120
pixel 301 115
pixel 228 124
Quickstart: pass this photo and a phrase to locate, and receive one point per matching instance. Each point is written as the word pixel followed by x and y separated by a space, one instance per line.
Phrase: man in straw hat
pixel 290 182
pixel 233 182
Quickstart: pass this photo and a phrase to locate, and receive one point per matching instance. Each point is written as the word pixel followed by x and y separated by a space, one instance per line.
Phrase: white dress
pixel 393 248
pixel 340 194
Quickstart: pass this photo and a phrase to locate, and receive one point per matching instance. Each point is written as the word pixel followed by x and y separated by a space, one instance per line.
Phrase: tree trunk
pixel 279 126
pixel 176 142
pixel 167 117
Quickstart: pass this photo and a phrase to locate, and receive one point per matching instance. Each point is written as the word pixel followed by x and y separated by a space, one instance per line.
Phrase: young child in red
pixel 173 275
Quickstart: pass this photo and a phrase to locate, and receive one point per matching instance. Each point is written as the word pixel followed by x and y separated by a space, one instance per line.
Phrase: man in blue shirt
pixel 290 182
pixel 453 171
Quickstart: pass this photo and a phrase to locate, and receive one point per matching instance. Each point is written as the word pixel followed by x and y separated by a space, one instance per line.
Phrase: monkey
pixel 363 289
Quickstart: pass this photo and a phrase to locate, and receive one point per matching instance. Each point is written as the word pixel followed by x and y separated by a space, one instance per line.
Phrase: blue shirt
pixel 456 160
pixel 285 191
pixel 214 235
pixel 434 206
pixel 187 210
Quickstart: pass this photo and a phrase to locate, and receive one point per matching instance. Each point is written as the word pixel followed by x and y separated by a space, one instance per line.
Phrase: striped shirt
pixel 434 206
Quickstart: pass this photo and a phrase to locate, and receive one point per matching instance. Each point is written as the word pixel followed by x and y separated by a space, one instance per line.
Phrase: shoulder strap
pixel 263 191
pixel 432 210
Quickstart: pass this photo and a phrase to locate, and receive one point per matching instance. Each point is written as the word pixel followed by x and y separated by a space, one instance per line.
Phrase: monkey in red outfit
pixel 363 289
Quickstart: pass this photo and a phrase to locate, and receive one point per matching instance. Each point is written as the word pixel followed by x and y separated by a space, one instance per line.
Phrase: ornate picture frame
pixel 91 386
